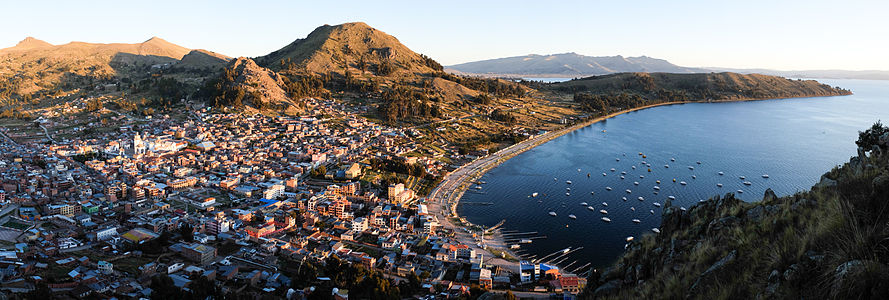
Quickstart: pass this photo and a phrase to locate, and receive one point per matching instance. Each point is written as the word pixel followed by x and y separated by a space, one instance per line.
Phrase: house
pixel 199 253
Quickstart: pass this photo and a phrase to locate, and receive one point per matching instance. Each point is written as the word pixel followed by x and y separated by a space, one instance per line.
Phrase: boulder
pixel 607 288
pixel 860 279
pixel 826 182
pixel 769 195
pixel 709 277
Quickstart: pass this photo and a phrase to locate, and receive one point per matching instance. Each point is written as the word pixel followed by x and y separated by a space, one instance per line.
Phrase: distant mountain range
pixel 569 65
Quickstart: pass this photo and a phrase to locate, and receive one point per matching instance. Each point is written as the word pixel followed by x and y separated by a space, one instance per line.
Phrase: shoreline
pixel 445 197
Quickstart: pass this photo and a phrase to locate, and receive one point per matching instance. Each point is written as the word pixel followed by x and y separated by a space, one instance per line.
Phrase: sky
pixel 783 35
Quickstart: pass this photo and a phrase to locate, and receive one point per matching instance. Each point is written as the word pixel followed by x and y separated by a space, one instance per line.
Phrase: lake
pixel 794 141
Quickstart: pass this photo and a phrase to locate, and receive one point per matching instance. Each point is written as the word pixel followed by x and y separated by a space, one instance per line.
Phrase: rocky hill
pixel 829 242
pixel 567 65
pixel 625 90
pixel 201 58
pixel 244 84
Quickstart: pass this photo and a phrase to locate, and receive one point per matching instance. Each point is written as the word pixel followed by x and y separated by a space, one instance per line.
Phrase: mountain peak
pixel 31 43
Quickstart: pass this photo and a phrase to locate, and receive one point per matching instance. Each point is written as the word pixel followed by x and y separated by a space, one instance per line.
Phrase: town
pixel 220 204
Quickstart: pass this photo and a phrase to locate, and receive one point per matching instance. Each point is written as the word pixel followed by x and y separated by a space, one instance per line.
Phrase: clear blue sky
pixel 773 34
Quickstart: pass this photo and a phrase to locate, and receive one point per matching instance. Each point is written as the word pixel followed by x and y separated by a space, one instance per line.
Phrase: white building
pixel 107 233
pixel 359 224
pixel 273 192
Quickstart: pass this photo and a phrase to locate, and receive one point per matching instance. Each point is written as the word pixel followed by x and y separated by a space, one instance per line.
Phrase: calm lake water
pixel 794 141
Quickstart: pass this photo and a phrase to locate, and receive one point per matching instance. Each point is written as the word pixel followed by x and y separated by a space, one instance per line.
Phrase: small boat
pixel 644 156
pixel 617 159
pixel 604 204
pixel 657 188
pixel 604 212
pixel 534 194
pixel 552 213
pixel 583 204
pixel 691 168
pixel 640 153
pixel 634 167
pixel 567 194
pixel 694 177
pixel 573 217
pixel 637 221
pixel 655 230
pixel 588 175
pixel 612 170
pixel 742 177
pixel 623 173
pixel 607 188
pixel 682 208
pixel 591 208
pixel 641 176
pixel 629 239
pixel 623 198
pixel 603 174
pixel 554 179
pixel 567 189
pixel 672 159
pixel 592 193
pixel 478 187
pixel 740 192
pixel 674 179
pixel 720 173
pixel 699 162
pixel 719 184
pixel 765 175
pixel 632 208
pixel 656 204
pixel 513 247
pixel 568 182
pixel 649 170
pixel 606 219
pixel 651 211
pixel 648 165
pixel 578 170
pixel 655 192
pixel 621 176
pixel 666 166
pixel 635 183
pixel 658 182
pixel 641 199
pixel 629 191
pixel 671 197
pixel 683 183
pixel 747 183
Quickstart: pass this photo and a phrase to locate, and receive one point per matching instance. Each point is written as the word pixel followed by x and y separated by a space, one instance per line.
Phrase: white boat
pixel 568 182
pixel 691 168
pixel 573 217
pixel 514 247
pixel 606 219
pixel 765 175
pixel 552 213
pixel 720 173
pixel 671 197
pixel 567 189
pixel 682 208
pixel 672 159
pixel 740 192
pixel 604 204
pixel 657 181
pixel 607 188
pixel 742 177
pixel 694 177
pixel 636 221
pixel 612 170
pixel 666 166
pixel 655 230
pixel 635 183
pixel 629 239
pixel 699 162
pixel 478 187
pixel 656 204
pixel 632 208
pixel 554 179
pixel 621 176
pixel 604 212
pixel 623 198
pixel 634 167
pixel 747 183
pixel 567 194
pixel 525 241
pixel 578 170
pixel 583 204
pixel 617 159
pixel 641 199
pixel 657 188
pixel 592 193
pixel 603 174
pixel 648 165
pixel 623 173
pixel 641 176
pixel 719 184
pixel 651 211
pixel 683 183
pixel 591 208
pixel 629 191
pixel 534 194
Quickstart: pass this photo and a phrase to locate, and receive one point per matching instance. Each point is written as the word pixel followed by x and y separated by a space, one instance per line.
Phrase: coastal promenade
pixel 443 200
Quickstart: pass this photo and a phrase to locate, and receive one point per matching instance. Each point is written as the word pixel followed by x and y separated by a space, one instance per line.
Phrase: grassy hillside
pixel 829 242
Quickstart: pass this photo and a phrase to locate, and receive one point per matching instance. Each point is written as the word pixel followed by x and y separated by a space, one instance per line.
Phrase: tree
pixel 869 138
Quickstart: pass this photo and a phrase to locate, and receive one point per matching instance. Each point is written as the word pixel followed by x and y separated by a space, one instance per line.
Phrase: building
pixel 274 192
pixel 106 267
pixel 359 224
pixel 139 235
pixel 199 253
pixel 398 194
pixel 105 234
pixel 528 271
pixel 354 171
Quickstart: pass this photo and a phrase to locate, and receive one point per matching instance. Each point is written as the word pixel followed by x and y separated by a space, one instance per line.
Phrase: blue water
pixel 794 141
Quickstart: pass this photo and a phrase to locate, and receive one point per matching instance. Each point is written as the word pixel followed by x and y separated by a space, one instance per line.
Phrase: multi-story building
pixel 199 253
